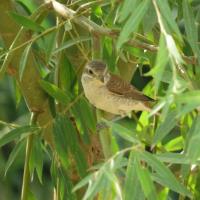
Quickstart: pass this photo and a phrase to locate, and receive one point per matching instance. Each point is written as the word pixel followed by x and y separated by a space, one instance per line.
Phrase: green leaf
pixel 191 97
pixel 161 61
pixel 168 17
pixel 55 92
pixel 114 182
pixel 23 60
pixel 66 185
pixel 131 179
pixel 127 9
pixel 190 27
pixel 173 51
pixel 174 158
pixel 26 22
pixel 50 43
pixel 99 182
pixel 70 43
pixel 83 182
pixel 133 22
pixel 165 127
pixel 164 175
pixel 86 114
pixel 149 20
pixel 193 141
pixel 83 121
pixel 61 140
pixel 123 132
pixel 67 75
pixel 17 133
pixel 73 142
pixel 145 180
pixel 18 95
pixel 36 159
pixel 13 155
pixel 66 140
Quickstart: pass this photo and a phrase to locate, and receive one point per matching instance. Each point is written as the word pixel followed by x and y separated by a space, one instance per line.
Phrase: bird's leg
pixel 102 125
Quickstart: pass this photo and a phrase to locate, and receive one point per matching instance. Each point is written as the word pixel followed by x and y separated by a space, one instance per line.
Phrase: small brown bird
pixel 110 93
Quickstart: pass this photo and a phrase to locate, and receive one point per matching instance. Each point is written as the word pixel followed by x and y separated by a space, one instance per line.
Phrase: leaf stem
pixel 26 175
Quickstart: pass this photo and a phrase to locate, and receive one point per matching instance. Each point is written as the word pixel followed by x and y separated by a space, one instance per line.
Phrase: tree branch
pixel 67 13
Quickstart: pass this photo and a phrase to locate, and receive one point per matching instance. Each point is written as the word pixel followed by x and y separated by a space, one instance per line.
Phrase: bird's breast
pixel 98 95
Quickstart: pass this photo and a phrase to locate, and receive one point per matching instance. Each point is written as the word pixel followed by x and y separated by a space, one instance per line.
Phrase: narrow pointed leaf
pixel 145 181
pixel 56 92
pixel 164 174
pixel 17 133
pixel 190 27
pixel 70 43
pixel 23 60
pixel 165 127
pixel 127 8
pixel 26 22
pixel 13 155
pixel 167 14
pixel 131 179
pixel 133 22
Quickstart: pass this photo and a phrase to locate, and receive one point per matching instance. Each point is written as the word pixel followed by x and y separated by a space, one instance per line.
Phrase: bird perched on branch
pixel 110 93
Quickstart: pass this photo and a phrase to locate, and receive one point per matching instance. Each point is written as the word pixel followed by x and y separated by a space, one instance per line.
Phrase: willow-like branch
pixel 68 13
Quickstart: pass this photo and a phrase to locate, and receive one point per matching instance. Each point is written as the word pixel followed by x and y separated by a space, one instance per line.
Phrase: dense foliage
pixel 53 144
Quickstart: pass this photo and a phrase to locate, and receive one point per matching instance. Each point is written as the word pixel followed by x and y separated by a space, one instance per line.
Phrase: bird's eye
pixel 90 71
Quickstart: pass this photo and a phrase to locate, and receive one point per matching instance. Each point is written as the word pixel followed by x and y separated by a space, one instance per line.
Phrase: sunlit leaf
pixel 168 17
pixel 173 51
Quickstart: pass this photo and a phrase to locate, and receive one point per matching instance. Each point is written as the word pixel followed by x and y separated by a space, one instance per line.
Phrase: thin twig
pixel 67 13
pixel 26 175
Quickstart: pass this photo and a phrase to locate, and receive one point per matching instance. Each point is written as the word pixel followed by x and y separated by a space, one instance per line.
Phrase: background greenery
pixel 50 145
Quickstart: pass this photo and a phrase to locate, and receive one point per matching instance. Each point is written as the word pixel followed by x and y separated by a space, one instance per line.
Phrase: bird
pixel 110 93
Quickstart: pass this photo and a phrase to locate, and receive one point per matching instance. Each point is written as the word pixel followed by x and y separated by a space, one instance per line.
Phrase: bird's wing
pixel 118 86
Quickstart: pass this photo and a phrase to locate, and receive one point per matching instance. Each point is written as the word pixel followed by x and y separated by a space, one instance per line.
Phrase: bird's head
pixel 96 69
